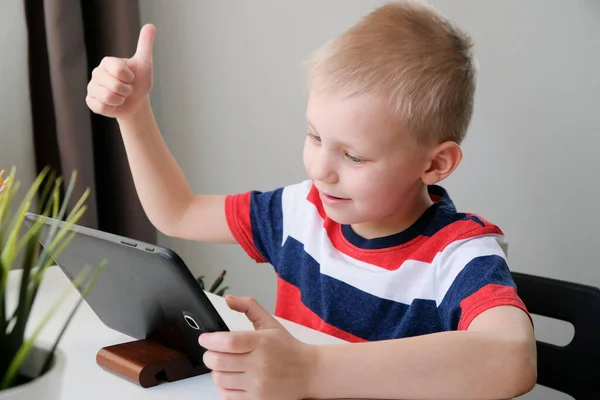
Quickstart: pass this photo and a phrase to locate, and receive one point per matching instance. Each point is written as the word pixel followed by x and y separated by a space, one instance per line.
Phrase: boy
pixel 368 249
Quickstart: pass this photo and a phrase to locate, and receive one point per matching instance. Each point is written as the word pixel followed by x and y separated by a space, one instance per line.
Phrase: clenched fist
pixel 119 85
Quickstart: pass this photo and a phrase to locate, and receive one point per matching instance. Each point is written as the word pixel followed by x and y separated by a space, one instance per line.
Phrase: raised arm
pixel 120 88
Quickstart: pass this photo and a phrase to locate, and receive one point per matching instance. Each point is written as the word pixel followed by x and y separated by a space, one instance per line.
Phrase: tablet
pixel 145 291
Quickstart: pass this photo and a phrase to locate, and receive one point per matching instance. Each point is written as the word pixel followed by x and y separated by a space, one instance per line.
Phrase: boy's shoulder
pixel 450 227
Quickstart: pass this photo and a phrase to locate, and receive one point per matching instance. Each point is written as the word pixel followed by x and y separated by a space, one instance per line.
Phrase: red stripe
pixel 391 258
pixel 237 212
pixel 289 306
pixel 313 197
pixel 491 295
pixel 459 230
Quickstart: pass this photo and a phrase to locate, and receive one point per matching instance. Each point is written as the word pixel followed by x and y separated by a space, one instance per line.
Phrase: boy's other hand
pixel 267 363
pixel 118 86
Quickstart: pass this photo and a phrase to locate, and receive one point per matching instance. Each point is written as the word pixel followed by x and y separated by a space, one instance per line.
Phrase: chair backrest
pixel 575 368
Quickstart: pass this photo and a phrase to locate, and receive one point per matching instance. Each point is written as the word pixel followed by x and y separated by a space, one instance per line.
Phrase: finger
pixel 226 362
pixel 229 342
pixel 100 108
pixel 104 78
pixel 116 67
pixel 230 380
pixel 145 43
pixel 105 96
pixel 260 318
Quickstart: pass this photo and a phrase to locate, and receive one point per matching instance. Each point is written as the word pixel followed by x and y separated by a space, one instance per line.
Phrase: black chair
pixel 575 368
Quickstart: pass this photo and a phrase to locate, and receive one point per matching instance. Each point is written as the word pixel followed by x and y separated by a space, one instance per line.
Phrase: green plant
pixel 35 259
pixel 214 288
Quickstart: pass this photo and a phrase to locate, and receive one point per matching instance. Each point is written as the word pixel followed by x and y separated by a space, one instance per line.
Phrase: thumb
pixel 143 53
pixel 260 318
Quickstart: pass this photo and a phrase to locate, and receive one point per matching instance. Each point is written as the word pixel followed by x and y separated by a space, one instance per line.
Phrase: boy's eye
pixel 314 137
pixel 354 160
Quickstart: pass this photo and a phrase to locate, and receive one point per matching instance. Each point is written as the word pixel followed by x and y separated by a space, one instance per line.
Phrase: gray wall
pixel 16 145
pixel 230 100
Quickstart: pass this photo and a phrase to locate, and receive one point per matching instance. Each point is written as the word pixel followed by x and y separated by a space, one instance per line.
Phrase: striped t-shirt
pixel 437 275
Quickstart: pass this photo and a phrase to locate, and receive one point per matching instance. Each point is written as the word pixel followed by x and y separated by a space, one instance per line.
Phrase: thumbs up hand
pixel 267 363
pixel 118 86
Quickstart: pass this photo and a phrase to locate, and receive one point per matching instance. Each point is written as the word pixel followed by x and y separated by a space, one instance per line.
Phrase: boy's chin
pixel 342 217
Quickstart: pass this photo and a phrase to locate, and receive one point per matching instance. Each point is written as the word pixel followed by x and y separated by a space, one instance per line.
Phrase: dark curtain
pixel 67 40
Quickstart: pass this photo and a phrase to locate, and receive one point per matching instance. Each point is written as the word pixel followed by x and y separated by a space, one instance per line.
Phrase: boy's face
pixel 367 171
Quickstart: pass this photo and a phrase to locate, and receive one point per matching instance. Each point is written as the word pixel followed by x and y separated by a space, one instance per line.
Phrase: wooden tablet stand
pixel 146 363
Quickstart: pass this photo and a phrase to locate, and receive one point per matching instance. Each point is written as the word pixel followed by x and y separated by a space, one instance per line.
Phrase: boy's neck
pixel 398 222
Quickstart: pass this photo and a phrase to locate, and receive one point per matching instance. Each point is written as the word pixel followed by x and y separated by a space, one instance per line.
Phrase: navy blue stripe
pixel 350 309
pixel 266 219
pixel 476 274
pixel 396 239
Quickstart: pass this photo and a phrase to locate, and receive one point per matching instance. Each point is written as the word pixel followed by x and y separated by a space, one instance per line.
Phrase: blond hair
pixel 410 53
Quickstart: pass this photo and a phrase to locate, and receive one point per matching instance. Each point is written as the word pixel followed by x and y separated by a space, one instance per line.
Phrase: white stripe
pixel 451 261
pixel 412 280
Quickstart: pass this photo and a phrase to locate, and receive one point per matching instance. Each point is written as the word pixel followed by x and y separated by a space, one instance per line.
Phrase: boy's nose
pixel 323 171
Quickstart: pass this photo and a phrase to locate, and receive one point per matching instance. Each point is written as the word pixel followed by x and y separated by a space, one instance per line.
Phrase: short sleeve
pixel 472 277
pixel 256 222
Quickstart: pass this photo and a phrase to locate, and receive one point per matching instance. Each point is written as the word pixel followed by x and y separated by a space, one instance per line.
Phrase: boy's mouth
pixel 333 200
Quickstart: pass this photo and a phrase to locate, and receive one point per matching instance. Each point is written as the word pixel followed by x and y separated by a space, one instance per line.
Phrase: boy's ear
pixel 443 160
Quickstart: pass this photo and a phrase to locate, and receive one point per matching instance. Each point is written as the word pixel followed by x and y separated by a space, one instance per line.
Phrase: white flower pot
pixel 47 386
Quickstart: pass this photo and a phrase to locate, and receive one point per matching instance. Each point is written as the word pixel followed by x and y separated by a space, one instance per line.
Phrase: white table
pixel 86 335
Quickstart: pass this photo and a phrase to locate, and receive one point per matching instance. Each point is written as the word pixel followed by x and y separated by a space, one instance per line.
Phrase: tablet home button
pixel 191 322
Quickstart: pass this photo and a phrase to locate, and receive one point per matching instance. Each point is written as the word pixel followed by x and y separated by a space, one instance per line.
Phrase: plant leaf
pixel 43 197
pixel 84 293
pixel 7 196
pixel 25 348
pixel 217 282
pixel 13 347
pixel 10 250
pixel 56 237
pixel 3 321
pixel 52 252
pixel 28 293
pixel 44 260
pixel 55 211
